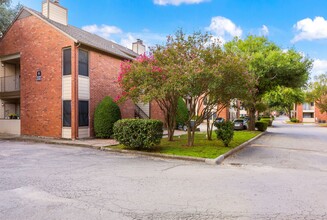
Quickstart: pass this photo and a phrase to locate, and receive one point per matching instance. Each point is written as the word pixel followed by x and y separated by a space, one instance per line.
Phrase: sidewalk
pixel 92 143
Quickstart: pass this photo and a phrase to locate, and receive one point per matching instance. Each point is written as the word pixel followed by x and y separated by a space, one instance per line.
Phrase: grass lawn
pixel 322 125
pixel 202 147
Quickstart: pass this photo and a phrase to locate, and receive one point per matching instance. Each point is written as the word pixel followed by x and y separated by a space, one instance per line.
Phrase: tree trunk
pixel 251 123
pixel 170 127
pixel 170 122
pixel 190 135
pixel 170 134
pixel 209 131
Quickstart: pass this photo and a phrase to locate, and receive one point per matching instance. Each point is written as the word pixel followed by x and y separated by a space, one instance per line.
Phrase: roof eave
pixel 106 51
pixel 127 56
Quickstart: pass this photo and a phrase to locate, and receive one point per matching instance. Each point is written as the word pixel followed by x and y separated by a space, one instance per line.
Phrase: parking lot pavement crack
pixel 172 167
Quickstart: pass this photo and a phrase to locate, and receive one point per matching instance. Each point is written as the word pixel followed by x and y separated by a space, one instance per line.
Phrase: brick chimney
pixel 54 11
pixel 138 47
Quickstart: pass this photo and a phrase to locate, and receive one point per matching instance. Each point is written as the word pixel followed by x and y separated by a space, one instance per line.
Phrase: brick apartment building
pixel 309 112
pixel 53 75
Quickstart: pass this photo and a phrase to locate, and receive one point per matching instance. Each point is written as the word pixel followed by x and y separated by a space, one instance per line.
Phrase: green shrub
pixel 106 114
pixel 261 125
pixel 182 112
pixel 294 120
pixel 225 132
pixel 267 120
pixel 138 133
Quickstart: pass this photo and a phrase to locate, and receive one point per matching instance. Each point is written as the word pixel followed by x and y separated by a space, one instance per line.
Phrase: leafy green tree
pixel 188 66
pixel 148 79
pixel 262 107
pixel 284 98
pixel 225 132
pixel 209 77
pixel 229 83
pixel 189 58
pixel 269 66
pixel 182 112
pixel 7 14
pixel 318 92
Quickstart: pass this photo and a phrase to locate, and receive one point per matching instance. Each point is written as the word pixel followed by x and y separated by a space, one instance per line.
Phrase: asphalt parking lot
pixel 282 175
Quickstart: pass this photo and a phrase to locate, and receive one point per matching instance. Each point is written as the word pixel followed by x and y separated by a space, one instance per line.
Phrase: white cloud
pixel 149 39
pixel 319 67
pixel 102 30
pixel 285 50
pixel 178 2
pixel 264 31
pixel 217 39
pixel 309 29
pixel 128 40
pixel 223 27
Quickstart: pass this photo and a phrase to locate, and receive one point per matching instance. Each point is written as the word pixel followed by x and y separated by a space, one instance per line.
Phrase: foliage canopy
pixel 318 92
pixel 7 14
pixel 270 66
pixel 189 66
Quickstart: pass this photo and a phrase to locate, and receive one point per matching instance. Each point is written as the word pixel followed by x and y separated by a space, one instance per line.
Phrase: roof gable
pixel 80 36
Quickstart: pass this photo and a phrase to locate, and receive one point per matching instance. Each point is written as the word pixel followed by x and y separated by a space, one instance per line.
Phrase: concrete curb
pixel 215 161
pixel 165 156
pixel 222 157
pixel 130 152
pixel 41 140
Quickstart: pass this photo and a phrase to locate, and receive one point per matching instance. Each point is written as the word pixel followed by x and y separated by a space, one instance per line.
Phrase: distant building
pixel 309 112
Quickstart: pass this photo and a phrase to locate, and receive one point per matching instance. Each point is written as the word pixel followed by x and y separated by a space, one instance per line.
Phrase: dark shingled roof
pixel 86 38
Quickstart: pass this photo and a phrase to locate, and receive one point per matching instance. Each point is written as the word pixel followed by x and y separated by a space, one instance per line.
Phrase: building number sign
pixel 38 75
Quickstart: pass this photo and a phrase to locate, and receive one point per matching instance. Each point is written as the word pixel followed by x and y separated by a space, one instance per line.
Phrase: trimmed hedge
pixel 106 114
pixel 138 133
pixel 267 120
pixel 295 120
pixel 182 112
pixel 261 125
pixel 225 132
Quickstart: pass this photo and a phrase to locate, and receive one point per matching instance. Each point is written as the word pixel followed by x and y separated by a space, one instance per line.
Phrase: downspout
pixel 75 93
pixel 76 87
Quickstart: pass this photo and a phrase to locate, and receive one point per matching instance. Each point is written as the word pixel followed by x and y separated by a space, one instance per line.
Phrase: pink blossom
pixel 125 67
pixel 156 69
pixel 118 97
pixel 144 58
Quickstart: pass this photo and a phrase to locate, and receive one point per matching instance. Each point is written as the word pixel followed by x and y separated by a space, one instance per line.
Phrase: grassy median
pixel 202 147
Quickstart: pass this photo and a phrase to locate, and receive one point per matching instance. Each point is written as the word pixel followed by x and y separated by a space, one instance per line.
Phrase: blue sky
pixel 301 24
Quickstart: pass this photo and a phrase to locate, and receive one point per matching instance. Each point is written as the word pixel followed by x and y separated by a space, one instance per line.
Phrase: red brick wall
pixel 40 46
pixel 320 116
pixel 104 70
pixel 224 114
pixel 299 112
pixel 155 112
